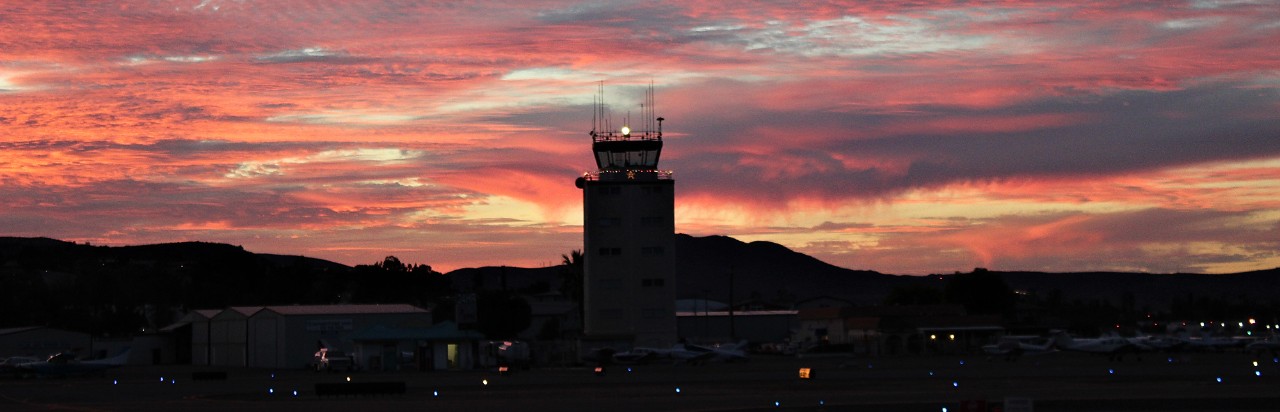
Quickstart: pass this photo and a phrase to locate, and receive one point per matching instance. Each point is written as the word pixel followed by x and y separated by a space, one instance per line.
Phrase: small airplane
pixel 1157 343
pixel 1258 347
pixel 726 353
pixel 1013 347
pixel 1211 343
pixel 65 364
pixel 1114 347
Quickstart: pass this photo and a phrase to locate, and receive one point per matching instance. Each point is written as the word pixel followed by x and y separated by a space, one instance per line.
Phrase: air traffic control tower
pixel 628 234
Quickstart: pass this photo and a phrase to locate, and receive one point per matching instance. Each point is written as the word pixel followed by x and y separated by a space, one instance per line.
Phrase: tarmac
pixel 1052 382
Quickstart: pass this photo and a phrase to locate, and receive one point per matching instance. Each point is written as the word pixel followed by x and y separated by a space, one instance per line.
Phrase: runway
pixel 1053 382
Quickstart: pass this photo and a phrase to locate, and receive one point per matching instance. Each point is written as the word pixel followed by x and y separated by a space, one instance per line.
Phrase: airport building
pixel 40 342
pixel 629 236
pixel 289 336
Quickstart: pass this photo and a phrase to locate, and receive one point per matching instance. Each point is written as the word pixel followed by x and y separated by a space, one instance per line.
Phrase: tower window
pixel 652 313
pixel 609 221
pixel 611 284
pixel 610 251
pixel 609 190
pixel 611 314
pixel 651 221
pixel 652 251
pixel 653 282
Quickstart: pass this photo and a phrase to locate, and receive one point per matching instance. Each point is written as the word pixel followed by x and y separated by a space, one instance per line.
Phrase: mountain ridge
pixel 761 270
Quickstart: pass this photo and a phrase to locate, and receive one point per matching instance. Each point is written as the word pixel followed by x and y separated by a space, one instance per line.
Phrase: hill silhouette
pixel 99 288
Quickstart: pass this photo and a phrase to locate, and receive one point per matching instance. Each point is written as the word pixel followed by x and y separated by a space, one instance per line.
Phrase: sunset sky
pixel 909 139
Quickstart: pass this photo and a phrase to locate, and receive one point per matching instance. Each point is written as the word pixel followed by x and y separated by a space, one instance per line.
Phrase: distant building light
pixel 805 373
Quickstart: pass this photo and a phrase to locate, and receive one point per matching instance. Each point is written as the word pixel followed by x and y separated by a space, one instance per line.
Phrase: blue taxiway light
pixel 271 391
pixel 677 389
pixel 1111 371
pixel 955 384
pixel 1257 373
pixel 1219 379
pixel 435 393
pixel 777 404
pixel 962 362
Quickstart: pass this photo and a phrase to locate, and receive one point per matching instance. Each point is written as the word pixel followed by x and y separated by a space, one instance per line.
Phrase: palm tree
pixel 571 279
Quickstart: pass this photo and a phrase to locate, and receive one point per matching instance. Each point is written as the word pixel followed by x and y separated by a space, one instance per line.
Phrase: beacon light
pixel 626 131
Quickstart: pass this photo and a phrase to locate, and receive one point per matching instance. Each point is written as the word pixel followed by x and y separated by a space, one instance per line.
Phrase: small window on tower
pixel 611 314
pixel 652 251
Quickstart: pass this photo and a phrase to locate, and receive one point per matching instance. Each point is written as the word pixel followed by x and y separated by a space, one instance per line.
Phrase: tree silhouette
pixel 502 314
pixel 981 292
pixel 572 279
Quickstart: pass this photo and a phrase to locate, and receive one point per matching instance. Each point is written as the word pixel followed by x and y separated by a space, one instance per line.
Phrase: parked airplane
pixel 1114 347
pixel 726 353
pixel 65 364
pixel 1211 343
pixel 1258 347
pixel 1013 347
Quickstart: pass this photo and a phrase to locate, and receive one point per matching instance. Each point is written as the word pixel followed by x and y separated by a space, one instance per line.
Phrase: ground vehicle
pixel 332 360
